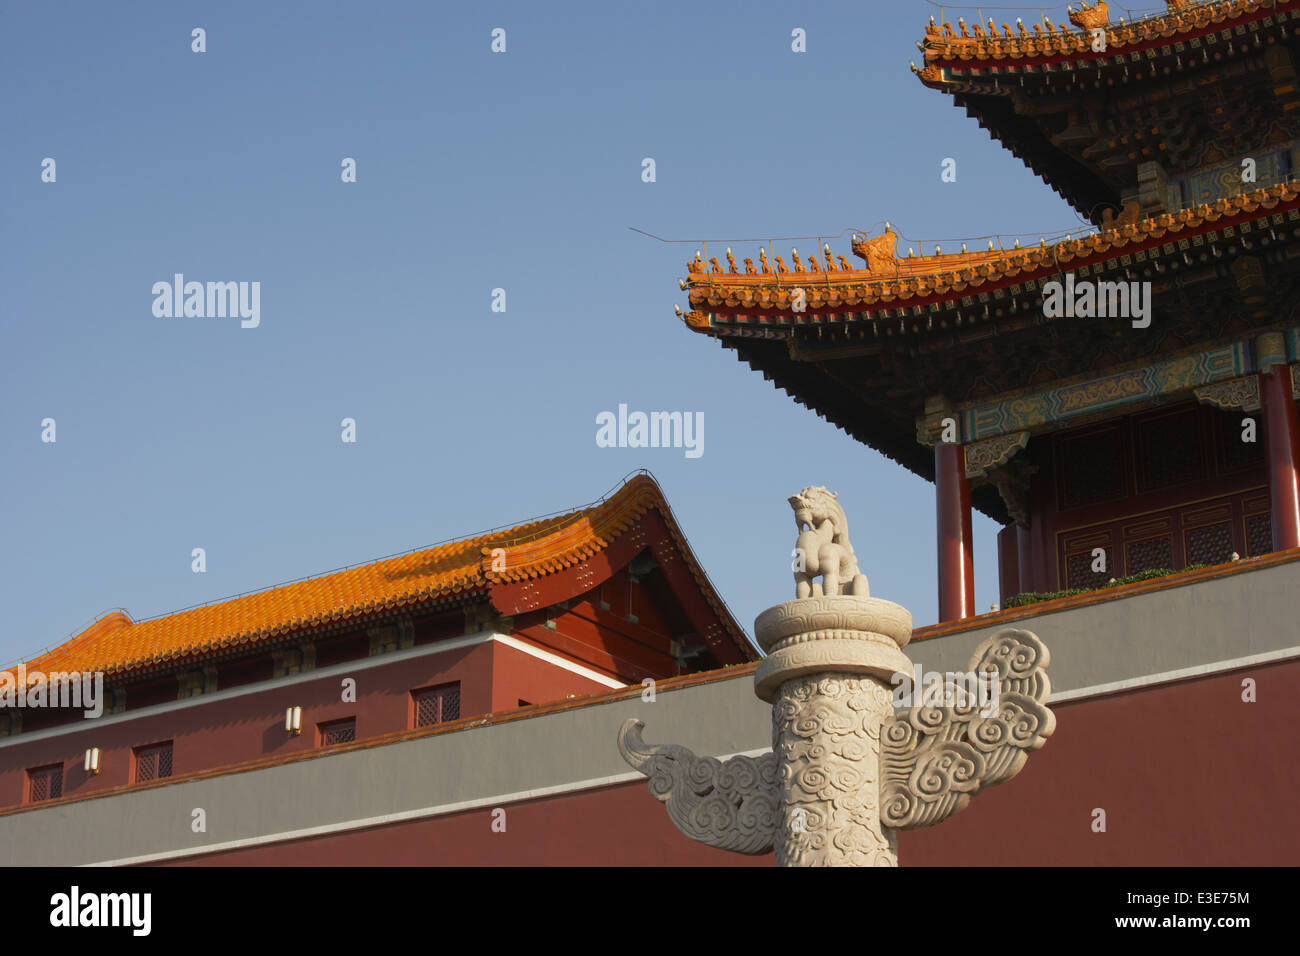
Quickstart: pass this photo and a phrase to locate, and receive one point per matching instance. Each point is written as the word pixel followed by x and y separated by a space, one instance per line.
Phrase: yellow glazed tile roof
pixel 890 281
pixel 945 46
pixel 115 643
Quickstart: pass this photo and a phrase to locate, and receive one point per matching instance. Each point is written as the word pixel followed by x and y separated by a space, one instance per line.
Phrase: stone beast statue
pixel 823 547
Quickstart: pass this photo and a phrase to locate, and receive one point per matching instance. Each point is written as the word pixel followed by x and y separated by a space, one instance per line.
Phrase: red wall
pixel 1187 773
pixel 516 676
pixel 610 826
pixel 216 733
pixel 603 640
pixel 208 734
pixel 628 640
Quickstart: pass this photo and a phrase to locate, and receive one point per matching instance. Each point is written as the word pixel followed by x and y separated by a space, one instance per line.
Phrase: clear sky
pixel 475 170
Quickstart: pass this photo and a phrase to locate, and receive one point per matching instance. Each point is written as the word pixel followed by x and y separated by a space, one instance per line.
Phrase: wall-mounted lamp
pixel 92 760
pixel 293 720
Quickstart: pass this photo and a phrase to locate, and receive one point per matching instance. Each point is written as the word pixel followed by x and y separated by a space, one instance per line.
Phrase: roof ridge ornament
pixel 878 253
pixel 1095 17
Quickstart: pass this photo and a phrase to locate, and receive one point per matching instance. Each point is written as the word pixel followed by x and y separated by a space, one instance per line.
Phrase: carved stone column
pixel 851 761
pixel 827 676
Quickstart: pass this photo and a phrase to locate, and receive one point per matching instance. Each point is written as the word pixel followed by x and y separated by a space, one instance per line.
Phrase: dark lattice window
pixel 338 732
pixel 1091 468
pixel 437 705
pixel 1079 572
pixel 1239 455
pixel 1210 545
pixel 1169 451
pixel 1145 555
pixel 46 783
pixel 1259 535
pixel 153 762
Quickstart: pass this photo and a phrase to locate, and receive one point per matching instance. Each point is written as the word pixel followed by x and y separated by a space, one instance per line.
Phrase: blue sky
pixel 475 171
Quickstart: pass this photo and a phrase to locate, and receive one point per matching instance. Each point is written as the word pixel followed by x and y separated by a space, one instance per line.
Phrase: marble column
pixel 862 744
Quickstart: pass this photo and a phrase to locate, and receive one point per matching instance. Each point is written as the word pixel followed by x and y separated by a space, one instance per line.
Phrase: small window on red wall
pixel 338 732
pixel 437 705
pixel 153 762
pixel 45 783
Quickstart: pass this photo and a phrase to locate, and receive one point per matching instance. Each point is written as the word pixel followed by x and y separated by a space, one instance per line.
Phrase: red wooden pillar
pixel 1025 552
pixel 956 562
pixel 1282 445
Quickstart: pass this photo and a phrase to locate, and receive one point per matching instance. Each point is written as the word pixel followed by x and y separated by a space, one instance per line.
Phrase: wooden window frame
pixel 143 752
pixel 440 689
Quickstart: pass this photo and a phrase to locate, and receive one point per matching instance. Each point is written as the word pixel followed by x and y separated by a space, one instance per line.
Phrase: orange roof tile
pixel 944 46
pixel 889 282
pixel 115 643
